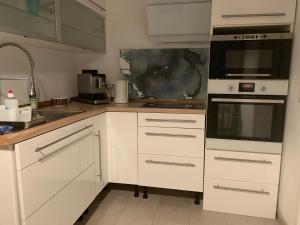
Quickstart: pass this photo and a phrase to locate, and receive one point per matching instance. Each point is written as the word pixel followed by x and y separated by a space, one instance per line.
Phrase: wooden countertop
pixel 8 140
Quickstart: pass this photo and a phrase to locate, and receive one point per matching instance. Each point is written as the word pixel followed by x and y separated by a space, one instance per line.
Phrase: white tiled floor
pixel 121 208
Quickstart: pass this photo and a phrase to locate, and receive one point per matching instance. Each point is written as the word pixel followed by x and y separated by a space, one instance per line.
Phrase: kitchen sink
pixel 40 117
pixel 173 106
pixel 52 115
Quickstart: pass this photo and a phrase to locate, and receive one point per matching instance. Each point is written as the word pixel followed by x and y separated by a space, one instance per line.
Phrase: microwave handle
pixel 263 101
pixel 253 15
pixel 247 75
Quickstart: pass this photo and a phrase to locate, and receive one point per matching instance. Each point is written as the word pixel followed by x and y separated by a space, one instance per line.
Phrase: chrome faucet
pixel 32 89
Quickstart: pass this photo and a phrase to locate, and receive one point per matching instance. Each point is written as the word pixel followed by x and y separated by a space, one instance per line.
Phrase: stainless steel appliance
pixel 246 115
pixel 250 55
pixel 92 87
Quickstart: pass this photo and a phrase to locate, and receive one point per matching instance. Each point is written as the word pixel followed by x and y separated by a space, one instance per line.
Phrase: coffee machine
pixel 92 87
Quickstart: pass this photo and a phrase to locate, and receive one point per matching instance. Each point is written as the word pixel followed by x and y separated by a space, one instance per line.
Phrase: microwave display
pixel 246 87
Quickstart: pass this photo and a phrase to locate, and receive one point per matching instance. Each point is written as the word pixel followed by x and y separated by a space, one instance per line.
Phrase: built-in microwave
pixel 250 56
pixel 246 117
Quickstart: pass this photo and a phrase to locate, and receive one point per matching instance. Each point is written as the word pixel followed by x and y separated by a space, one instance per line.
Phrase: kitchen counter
pixel 7 141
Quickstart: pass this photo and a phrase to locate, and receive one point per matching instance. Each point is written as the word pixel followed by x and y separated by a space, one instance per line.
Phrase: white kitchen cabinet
pixel 101 153
pixel 244 198
pixel 122 147
pixel 99 6
pixel 56 169
pixel 179 21
pixel 255 12
pixel 171 150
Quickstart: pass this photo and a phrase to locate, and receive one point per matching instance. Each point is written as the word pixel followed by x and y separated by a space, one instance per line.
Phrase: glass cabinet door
pixel 33 18
pixel 81 27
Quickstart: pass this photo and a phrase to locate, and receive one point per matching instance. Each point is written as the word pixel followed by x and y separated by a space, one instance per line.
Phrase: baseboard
pixel 280 218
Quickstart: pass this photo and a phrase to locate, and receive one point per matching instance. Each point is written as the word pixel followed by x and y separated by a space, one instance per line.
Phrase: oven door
pixel 250 59
pixel 240 117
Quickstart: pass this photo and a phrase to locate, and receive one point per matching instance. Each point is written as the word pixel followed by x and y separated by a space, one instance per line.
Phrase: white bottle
pixel 12 105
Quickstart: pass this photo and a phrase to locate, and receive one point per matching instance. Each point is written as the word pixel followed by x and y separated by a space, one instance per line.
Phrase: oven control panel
pixel 257 87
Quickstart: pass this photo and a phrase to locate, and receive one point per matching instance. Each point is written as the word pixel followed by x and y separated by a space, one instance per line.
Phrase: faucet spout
pixel 32 89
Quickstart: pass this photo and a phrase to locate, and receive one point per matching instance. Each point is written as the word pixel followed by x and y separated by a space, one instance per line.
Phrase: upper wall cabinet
pixel 98 6
pixel 33 18
pixel 81 27
pixel 255 12
pixel 179 20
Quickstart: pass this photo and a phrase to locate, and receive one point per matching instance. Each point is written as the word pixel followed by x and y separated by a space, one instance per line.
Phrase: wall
pixel 55 72
pixel 289 193
pixel 126 24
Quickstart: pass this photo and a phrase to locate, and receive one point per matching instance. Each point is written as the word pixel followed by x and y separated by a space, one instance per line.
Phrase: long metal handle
pixel 97 5
pixel 100 154
pixel 243 160
pixel 61 148
pixel 240 100
pixel 261 192
pixel 38 149
pixel 253 15
pixel 170 120
pixel 170 163
pixel 13 78
pixel 170 135
pixel 248 75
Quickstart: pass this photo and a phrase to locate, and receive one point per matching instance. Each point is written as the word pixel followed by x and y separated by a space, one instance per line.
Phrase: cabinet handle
pixel 170 135
pixel 243 160
pixel 170 120
pixel 261 192
pixel 61 148
pixel 100 155
pixel 253 15
pixel 170 163
pixel 38 149
pixel 247 75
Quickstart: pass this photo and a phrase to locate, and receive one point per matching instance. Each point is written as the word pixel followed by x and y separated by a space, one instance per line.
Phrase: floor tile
pixel 139 211
pixel 173 211
pixel 243 220
pixel 200 217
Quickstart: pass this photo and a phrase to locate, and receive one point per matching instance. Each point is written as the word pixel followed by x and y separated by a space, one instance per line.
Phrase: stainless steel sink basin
pixel 40 117
pixel 51 115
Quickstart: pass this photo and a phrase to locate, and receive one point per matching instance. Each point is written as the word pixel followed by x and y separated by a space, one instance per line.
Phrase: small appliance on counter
pixel 92 87
pixel 121 91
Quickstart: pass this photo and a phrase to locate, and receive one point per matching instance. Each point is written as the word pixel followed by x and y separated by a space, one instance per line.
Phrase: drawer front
pixel 171 172
pixel 252 167
pixel 171 141
pixel 67 205
pixel 250 199
pixel 41 181
pixel 26 151
pixel 171 120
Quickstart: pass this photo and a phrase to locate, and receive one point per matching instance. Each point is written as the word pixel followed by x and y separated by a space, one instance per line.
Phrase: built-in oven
pixel 246 117
pixel 250 56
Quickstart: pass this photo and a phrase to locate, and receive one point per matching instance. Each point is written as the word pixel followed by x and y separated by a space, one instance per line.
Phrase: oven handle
pixel 263 101
pixel 247 75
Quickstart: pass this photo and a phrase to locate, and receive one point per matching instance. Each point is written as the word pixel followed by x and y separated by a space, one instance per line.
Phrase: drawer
pixel 26 151
pixel 171 172
pixel 252 167
pixel 171 120
pixel 171 141
pixel 67 205
pixel 44 179
pixel 243 198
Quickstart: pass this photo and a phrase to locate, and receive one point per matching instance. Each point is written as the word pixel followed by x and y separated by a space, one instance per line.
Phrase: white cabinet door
pixel 100 152
pixel 237 12
pixel 122 147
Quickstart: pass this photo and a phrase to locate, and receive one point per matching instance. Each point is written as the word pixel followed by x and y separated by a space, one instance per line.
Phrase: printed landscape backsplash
pixel 165 73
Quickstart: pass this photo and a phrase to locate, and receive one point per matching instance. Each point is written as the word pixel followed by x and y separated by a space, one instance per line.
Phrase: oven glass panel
pixel 245 121
pixel 231 119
